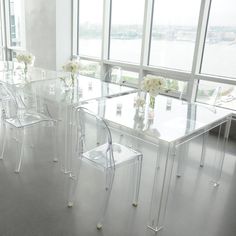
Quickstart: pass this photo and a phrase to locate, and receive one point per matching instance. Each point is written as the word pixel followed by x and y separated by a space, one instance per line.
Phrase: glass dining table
pixel 58 93
pixel 172 123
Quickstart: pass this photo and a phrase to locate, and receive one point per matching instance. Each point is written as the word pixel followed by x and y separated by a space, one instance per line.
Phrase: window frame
pixel 7 22
pixel 192 78
pixel 6 31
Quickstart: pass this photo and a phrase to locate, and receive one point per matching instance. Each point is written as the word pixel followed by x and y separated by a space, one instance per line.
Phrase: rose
pixel 71 66
pixel 139 102
pixel 26 58
pixel 152 84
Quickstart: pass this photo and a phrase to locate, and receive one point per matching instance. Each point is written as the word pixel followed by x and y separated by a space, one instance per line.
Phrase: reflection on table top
pixel 8 65
pixel 16 76
pixel 171 119
pixel 85 88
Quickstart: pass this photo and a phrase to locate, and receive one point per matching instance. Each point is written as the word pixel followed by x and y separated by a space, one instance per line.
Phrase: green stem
pixel 26 71
pixel 152 102
pixel 72 80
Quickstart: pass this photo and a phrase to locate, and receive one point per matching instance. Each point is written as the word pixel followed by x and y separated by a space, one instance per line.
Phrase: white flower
pixel 26 58
pixel 152 84
pixel 139 102
pixel 72 66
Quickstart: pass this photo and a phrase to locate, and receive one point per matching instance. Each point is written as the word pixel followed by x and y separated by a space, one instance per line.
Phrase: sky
pixel 166 12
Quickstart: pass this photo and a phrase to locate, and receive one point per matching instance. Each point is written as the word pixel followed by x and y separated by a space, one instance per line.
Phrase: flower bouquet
pixel 72 67
pixel 153 85
pixel 28 60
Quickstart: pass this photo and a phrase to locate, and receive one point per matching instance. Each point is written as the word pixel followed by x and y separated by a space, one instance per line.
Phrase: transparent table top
pixel 9 65
pixel 15 75
pixel 85 89
pixel 170 120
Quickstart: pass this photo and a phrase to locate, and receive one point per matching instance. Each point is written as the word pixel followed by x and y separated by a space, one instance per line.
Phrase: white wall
pixel 63 32
pixel 48 31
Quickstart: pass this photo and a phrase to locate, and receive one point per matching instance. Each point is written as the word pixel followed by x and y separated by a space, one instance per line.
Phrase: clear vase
pixel 72 80
pixel 152 102
pixel 26 74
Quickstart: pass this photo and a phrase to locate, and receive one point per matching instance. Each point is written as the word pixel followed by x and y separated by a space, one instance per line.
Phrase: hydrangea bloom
pixel 153 84
pixel 26 58
pixel 71 66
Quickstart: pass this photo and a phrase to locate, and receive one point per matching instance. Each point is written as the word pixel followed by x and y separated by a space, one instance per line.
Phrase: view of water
pixel 219 59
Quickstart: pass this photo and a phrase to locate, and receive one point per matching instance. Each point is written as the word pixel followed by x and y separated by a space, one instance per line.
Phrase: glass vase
pixel 152 102
pixel 72 77
pixel 26 73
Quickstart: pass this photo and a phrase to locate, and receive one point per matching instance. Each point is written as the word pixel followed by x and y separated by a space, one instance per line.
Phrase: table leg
pixel 221 150
pixel 66 167
pixel 204 146
pixel 181 154
pixel 160 198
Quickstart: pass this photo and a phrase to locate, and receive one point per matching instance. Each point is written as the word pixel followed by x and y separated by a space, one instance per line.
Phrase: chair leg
pixel 31 136
pixel 73 182
pixel 21 149
pixel 159 156
pixel 180 153
pixel 4 140
pixel 54 137
pixel 138 179
pixel 110 174
pixel 203 154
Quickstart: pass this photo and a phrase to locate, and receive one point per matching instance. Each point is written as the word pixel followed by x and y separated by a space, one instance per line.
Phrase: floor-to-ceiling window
pixel 219 55
pixel 12 32
pixel 174 33
pixel 186 41
pixel 16 23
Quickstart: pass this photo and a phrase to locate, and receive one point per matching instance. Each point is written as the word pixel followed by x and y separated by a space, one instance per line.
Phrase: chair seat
pixel 121 154
pixel 27 119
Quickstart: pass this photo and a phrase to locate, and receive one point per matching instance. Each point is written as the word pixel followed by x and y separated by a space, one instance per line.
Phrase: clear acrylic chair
pixel 94 145
pixel 212 99
pixel 115 75
pixel 21 118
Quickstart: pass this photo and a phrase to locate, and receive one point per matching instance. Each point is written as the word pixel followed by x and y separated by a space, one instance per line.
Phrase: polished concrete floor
pixel 33 203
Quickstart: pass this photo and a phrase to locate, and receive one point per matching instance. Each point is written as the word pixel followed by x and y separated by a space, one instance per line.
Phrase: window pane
pixel 220 48
pixel 174 33
pixel 126 30
pixel 16 23
pixel 218 94
pixel 118 75
pixel 1 42
pixel 90 68
pixel 90 27
pixel 174 88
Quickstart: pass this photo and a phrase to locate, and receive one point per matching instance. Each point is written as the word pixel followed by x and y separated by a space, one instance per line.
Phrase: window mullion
pixel 105 35
pixel 146 37
pixel 75 28
pixel 198 50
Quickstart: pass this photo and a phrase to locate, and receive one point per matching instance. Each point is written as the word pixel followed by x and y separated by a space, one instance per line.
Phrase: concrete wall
pixel 40 20
pixel 48 31
pixel 63 32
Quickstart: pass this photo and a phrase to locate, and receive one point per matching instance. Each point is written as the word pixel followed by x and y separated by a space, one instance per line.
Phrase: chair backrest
pixel 114 75
pixel 37 74
pixel 12 102
pixel 208 94
pixel 215 96
pixel 91 132
pixel 183 91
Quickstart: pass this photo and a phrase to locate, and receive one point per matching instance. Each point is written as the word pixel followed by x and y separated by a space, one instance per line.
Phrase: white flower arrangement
pixel 72 67
pixel 26 58
pixel 153 84
pixel 139 102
